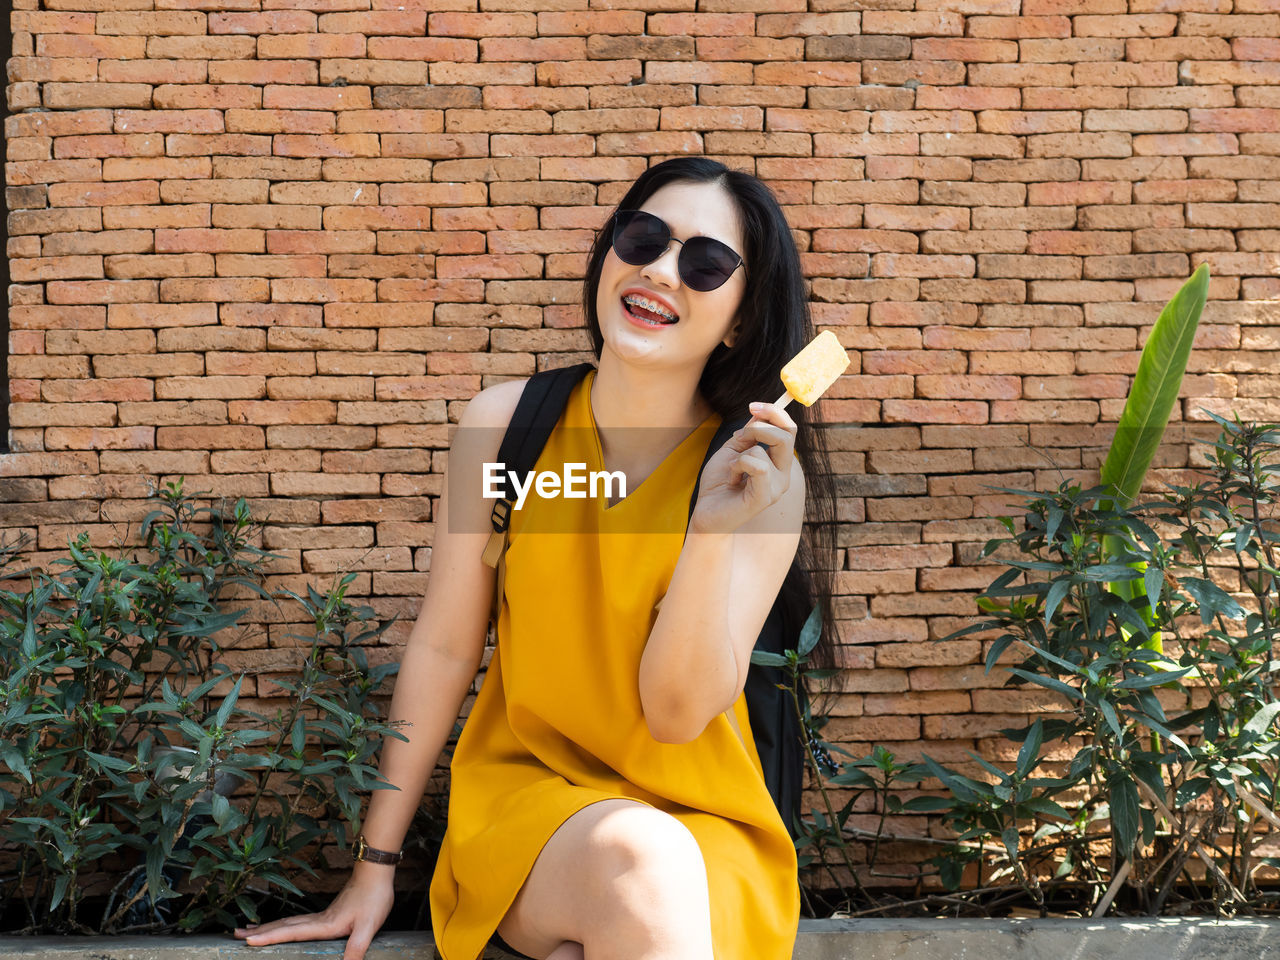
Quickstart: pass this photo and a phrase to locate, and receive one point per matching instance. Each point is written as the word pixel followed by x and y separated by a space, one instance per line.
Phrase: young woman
pixel 605 801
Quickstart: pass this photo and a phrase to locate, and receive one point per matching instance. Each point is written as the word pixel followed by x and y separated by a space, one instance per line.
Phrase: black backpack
pixel 774 724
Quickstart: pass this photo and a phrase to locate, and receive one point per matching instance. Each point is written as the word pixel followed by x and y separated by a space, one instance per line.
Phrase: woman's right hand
pixel 357 913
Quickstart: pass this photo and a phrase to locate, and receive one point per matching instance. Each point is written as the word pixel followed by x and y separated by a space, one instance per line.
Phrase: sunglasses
pixel 704 263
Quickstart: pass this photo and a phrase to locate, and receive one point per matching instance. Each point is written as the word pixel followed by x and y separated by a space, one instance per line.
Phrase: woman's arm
pixel 445 647
pixel 695 663
pixel 439 662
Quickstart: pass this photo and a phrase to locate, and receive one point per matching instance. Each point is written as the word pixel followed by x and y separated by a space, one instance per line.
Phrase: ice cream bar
pixel 815 368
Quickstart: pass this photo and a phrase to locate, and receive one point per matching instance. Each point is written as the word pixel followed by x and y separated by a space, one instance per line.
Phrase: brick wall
pixel 276 250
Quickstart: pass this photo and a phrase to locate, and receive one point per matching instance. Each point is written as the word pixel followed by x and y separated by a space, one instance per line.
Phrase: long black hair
pixel 774 325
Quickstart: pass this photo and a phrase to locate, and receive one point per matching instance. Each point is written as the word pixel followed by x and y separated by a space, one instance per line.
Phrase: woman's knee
pixel 643 840
pixel 615 862
pixel 650 897
pixel 646 846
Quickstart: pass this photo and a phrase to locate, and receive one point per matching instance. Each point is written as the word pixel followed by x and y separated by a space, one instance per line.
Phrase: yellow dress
pixel 557 724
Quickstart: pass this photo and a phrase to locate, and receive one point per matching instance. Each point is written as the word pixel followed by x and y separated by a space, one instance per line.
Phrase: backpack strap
pixel 537 412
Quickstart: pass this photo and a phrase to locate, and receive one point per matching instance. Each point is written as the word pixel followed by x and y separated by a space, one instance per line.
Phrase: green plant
pixel 877 775
pixel 1090 645
pixel 1127 808
pixel 121 733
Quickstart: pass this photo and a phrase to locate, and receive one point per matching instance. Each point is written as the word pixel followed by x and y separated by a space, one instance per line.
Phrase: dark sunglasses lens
pixel 709 263
pixel 639 238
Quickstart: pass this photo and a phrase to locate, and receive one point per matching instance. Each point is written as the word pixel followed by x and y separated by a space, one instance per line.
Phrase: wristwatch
pixel 362 851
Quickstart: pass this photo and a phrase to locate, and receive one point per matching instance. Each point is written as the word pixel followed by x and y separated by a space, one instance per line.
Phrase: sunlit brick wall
pixel 276 247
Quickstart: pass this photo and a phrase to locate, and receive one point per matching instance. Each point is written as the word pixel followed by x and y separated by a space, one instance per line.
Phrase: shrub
pixel 1171 752
pixel 117 756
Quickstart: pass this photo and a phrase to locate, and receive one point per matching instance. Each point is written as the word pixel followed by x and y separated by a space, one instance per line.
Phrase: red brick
pixel 877 581
pixel 923 24
pixel 961 387
pixel 923 461
pixel 700 24
pixel 1032 411
pixel 1248 48
pixel 809 73
pixel 455 24
pixel 1075 97
pixel 583 23
pixel 934 411
pixel 1029 266
pixel 1096 387
pixel 1111 75
pixel 1015 28
pixel 1018 362
pixel 1148 24
pixel 971 144
pixel 917 703
pixel 968 49
pixel 1190 144
pixel 1265 26
pixel 1178 48
pixel 980 291
pixel 805 24
pixel 1028 76
pixel 1218 72
pixel 1028 122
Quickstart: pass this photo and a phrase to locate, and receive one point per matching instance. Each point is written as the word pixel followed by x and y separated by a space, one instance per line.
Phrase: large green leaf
pixel 1155 388
pixel 1145 416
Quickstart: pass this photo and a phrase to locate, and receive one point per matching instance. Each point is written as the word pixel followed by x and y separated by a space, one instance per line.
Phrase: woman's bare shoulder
pixel 493 406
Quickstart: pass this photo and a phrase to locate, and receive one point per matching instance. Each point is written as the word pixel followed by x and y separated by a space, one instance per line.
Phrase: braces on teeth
pixel 651 307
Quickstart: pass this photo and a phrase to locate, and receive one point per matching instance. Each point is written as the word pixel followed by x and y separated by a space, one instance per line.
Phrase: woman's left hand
pixel 741 478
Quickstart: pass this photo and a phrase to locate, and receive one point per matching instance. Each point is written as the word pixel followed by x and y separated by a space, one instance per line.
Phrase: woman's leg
pixel 622 879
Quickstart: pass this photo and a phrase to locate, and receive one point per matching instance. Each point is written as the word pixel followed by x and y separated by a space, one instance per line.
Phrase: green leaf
pixel 247 907
pixel 1067 666
pixel 927 804
pixel 59 891
pixel 1044 806
pixel 1155 388
pixel 1261 720
pixel 767 659
pixel 1010 837
pixel 1190 790
pixel 221 810
pixel 810 632
pixel 1055 519
pixel 110 763
pixel 1212 600
pixel 228 703
pixel 1113 721
pixel 1057 590
pixel 1153 583
pixel 1152 679
pixel 1124 811
pixel 1029 754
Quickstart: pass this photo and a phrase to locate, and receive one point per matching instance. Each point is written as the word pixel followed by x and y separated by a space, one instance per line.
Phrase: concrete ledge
pixel 1157 938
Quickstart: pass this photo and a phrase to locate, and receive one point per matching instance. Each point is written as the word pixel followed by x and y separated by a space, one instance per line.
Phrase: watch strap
pixel 362 851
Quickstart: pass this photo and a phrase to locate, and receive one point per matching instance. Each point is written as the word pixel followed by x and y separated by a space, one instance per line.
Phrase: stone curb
pixel 1156 938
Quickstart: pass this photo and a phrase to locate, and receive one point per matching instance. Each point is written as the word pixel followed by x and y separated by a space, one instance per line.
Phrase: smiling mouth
pixel 647 316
